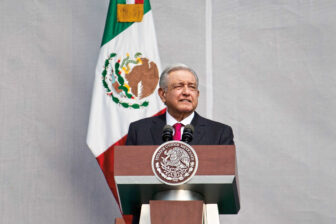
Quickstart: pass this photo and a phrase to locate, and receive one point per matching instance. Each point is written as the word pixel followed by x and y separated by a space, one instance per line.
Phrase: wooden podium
pixel 212 191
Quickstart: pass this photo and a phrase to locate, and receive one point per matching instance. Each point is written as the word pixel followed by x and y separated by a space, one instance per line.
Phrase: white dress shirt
pixel 171 121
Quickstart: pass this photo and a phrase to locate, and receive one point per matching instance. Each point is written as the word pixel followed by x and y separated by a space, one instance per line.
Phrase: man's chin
pixel 186 110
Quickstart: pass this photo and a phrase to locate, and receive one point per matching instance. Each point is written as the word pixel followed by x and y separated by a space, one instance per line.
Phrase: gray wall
pixel 273 78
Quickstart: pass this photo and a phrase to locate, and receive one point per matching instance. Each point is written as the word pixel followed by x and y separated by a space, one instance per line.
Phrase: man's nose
pixel 186 90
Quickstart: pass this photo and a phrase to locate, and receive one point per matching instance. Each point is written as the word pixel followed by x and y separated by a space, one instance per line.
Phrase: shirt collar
pixel 171 120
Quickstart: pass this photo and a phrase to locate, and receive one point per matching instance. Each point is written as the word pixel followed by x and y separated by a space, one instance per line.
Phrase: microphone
pixel 167 133
pixel 188 132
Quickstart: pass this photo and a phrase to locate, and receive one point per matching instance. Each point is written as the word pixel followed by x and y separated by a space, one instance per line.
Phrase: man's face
pixel 181 96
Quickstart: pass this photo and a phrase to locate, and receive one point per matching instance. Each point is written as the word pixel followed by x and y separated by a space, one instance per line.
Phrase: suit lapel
pixel 156 128
pixel 199 129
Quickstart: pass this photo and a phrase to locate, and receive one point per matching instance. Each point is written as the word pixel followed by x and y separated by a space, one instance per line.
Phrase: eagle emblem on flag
pixel 130 80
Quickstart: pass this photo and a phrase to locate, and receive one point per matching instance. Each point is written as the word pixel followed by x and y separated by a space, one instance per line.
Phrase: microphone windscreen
pixel 188 133
pixel 189 126
pixel 167 133
pixel 168 128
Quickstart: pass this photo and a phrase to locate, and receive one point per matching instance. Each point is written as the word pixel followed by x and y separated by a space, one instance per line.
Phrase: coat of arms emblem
pixel 174 162
pixel 130 80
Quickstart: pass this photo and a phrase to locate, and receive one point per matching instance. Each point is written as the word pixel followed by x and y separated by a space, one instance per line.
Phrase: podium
pixel 212 191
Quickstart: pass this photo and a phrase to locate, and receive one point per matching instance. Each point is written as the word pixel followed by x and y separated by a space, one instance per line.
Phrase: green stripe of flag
pixel 112 26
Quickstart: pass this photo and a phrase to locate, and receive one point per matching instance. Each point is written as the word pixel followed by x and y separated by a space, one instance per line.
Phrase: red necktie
pixel 177 128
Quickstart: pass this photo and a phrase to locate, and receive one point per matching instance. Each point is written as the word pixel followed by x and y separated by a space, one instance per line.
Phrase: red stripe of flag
pixel 106 162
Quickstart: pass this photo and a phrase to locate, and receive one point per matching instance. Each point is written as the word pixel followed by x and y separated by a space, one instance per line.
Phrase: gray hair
pixel 176 67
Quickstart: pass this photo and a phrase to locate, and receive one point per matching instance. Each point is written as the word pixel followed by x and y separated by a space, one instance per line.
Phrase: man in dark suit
pixel 179 92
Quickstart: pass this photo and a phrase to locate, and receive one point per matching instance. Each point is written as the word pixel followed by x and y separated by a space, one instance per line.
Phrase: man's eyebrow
pixel 184 83
pixel 178 83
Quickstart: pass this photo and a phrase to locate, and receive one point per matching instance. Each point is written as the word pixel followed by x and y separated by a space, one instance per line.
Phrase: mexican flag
pixel 126 80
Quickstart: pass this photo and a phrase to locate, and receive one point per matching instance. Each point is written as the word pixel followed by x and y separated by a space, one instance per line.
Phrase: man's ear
pixel 162 95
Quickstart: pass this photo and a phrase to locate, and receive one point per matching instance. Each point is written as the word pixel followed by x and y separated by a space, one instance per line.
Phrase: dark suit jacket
pixel 148 131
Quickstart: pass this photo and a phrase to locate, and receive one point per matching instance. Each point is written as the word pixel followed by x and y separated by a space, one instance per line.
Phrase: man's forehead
pixel 182 76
